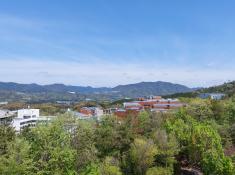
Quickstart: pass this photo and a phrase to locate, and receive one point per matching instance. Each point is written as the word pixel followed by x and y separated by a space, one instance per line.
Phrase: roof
pixel 6 113
pixel 131 104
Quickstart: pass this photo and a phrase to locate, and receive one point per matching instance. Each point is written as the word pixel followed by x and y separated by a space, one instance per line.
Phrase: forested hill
pixel 226 88
pixel 151 88
pixel 130 90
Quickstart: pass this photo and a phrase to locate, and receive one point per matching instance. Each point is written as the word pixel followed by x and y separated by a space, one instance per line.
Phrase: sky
pixel 112 42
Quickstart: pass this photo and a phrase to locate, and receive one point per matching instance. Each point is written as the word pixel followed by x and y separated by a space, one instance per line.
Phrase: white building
pixel 27 118
pixel 6 116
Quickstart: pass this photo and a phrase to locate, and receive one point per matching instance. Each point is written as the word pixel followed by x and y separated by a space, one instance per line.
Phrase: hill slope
pixel 226 88
pixel 150 88
pixel 57 91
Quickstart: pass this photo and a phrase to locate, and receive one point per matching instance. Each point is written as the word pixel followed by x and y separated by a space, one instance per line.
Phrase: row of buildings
pixel 153 103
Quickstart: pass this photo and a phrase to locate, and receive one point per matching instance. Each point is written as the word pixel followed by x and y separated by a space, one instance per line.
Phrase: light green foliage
pixel 202 143
pixel 218 109
pixel 230 110
pixel 91 169
pixel 7 134
pixel 232 132
pixel 141 155
pixel 17 161
pixel 110 166
pixel 143 121
pixel 215 163
pixel 51 150
pixel 144 144
pixel 167 148
pixel 84 144
pixel 159 171
pixel 200 109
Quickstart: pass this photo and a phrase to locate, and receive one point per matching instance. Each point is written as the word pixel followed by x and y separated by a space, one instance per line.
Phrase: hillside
pixel 226 88
pixel 150 88
pixel 64 92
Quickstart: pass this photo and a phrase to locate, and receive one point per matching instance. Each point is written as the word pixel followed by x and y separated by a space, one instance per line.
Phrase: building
pixel 110 111
pixel 153 103
pixel 213 96
pixel 3 103
pixel 132 105
pixel 92 111
pixel 89 113
pixel 27 118
pixel 6 117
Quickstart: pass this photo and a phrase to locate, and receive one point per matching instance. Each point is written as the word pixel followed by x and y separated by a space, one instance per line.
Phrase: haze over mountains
pixel 129 90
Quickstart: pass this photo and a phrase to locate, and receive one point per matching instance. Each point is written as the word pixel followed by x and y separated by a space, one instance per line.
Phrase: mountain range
pixel 121 91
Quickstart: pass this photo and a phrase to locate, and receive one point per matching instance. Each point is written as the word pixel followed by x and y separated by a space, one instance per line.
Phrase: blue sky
pixel 111 42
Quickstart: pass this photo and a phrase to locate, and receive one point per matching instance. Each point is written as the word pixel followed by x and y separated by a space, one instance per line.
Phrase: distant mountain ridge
pixel 151 88
pixel 129 90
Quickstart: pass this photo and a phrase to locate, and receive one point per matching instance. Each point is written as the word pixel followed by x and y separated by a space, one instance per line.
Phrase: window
pixel 27 116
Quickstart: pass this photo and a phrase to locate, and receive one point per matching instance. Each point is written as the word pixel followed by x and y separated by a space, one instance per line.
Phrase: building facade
pixel 27 118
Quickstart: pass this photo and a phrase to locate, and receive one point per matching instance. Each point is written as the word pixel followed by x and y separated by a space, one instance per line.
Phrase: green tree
pixel 91 169
pixel 112 137
pixel 159 171
pixel 143 122
pixel 141 156
pixel 167 149
pixel 7 135
pixel 51 149
pixel 83 141
pixel 200 109
pixel 201 144
pixel 110 166
pixel 17 160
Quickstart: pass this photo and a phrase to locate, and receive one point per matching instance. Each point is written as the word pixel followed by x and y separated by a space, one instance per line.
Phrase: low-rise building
pixel 92 111
pixel 153 103
pixel 132 105
pixel 27 118
pixel 110 111
pixel 213 96
pixel 6 117
pixel 89 113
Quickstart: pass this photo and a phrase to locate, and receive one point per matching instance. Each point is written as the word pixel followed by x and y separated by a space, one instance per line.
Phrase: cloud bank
pixel 109 74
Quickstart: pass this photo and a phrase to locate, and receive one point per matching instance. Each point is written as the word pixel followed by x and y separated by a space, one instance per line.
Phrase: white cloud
pixel 104 73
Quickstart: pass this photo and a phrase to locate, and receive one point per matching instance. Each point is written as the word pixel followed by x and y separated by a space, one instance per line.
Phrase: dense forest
pixel 200 137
